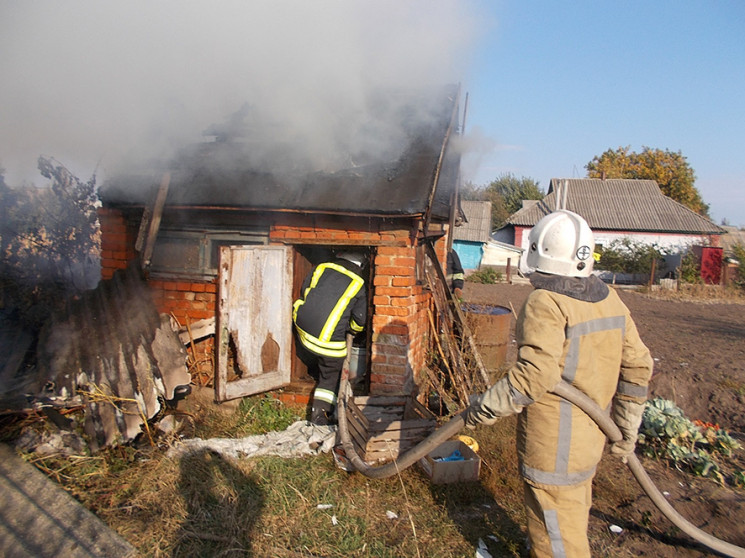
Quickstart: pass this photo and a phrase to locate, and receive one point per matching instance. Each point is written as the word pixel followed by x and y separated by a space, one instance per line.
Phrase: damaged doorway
pixel 306 257
pixel 254 324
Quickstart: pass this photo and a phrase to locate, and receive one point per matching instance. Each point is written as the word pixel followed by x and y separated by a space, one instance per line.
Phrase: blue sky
pixel 554 84
pixel 550 84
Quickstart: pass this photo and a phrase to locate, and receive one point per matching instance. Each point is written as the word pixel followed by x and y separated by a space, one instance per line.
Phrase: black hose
pixel 563 390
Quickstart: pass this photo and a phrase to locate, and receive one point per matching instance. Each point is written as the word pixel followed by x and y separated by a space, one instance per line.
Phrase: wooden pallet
pixel 382 427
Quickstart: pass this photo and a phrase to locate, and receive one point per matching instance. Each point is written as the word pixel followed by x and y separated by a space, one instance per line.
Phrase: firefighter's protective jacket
pixel 578 330
pixel 333 301
pixel 454 272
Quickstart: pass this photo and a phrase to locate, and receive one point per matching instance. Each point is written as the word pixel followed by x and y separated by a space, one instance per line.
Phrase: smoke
pixel 96 83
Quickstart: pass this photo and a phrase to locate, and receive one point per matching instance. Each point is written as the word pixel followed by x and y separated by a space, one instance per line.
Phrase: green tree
pixel 506 194
pixel 50 236
pixel 670 170
pixel 629 256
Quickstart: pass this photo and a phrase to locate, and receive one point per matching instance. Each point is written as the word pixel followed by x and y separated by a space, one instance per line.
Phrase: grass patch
pixel 205 504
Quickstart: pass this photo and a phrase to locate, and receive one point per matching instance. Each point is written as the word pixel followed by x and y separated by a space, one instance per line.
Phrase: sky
pixel 555 84
pixel 549 84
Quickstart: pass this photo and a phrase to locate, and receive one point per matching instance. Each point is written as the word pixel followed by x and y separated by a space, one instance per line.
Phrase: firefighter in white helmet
pixel 332 303
pixel 572 327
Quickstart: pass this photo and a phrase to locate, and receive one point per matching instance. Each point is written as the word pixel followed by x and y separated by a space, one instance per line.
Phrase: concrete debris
pixel 301 438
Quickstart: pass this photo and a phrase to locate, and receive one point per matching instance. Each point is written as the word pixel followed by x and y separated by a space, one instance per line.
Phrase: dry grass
pixel 697 293
pixel 208 505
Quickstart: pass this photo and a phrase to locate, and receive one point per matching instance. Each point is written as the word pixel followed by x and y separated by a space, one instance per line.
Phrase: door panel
pixel 254 320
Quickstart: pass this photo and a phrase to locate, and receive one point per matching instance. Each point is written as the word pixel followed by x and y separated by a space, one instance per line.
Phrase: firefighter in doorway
pixel 454 274
pixel 333 302
pixel 572 327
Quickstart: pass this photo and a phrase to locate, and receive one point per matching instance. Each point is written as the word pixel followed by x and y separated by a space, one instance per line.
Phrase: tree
pixel 49 239
pixel 670 170
pixel 506 194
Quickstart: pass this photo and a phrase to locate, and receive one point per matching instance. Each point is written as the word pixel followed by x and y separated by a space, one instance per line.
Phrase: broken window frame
pixel 204 247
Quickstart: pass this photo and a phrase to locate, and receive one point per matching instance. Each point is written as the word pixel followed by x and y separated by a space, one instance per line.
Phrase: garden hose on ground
pixel 564 390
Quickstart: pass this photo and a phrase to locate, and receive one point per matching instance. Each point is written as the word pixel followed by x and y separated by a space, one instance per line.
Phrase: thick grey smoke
pixel 91 82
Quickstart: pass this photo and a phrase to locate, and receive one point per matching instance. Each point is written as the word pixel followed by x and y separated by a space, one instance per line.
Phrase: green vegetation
pixel 694 446
pixel 670 170
pixel 486 276
pixel 629 256
pixel 506 194
pixel 738 251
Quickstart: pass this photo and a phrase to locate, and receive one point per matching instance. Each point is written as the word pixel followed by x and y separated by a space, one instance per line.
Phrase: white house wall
pixel 497 256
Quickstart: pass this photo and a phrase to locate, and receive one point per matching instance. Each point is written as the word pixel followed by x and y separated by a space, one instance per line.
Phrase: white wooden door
pixel 254 320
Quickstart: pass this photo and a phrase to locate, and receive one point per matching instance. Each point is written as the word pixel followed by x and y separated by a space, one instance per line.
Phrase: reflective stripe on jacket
pixel 595 347
pixel 333 301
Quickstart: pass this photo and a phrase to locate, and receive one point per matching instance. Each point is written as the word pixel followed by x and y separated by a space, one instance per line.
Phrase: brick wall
pixel 117 242
pixel 400 323
pixel 187 301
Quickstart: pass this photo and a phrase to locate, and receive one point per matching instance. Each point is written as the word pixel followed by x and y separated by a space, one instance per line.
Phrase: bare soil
pixel 699 354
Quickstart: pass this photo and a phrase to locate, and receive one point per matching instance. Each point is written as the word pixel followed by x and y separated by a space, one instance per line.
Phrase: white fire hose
pixel 456 424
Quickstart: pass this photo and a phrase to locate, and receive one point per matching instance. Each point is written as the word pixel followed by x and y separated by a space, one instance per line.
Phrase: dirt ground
pixel 699 354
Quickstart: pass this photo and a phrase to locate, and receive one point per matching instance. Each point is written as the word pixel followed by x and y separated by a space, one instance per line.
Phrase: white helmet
pixel 353 256
pixel 561 244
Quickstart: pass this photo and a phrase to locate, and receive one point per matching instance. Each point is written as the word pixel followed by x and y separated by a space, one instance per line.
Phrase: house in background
pixel 224 236
pixel 472 234
pixel 501 256
pixel 734 237
pixel 616 209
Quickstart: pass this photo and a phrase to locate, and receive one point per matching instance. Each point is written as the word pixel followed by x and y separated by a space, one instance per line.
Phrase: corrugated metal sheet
pixel 112 351
pixel 615 204
pixel 477 227
pixel 224 174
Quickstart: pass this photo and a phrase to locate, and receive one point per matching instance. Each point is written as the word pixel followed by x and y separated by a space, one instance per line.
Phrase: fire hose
pixel 564 390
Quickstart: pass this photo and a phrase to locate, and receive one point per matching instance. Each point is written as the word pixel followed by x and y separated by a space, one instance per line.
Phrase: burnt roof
pixel 223 174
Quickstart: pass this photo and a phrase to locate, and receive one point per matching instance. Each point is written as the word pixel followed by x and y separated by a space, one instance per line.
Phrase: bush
pixel 629 256
pixel 738 251
pixel 690 271
pixel 486 276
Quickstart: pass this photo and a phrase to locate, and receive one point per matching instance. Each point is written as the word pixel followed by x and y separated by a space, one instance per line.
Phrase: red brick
pixel 403 281
pixel 394 251
pixel 381 280
pixel 408 262
pixel 391 311
pixel 391 379
pixel 395 271
pixel 393 291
